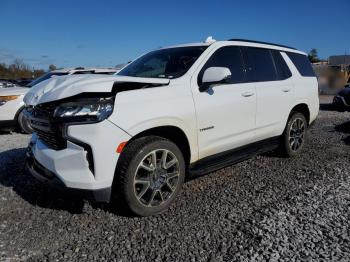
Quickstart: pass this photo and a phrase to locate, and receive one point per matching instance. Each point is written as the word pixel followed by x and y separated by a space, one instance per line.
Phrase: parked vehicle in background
pixel 6 84
pixel 11 109
pixel 174 112
pixel 342 100
pixel 73 71
pixel 121 66
pixel 11 99
pixel 24 81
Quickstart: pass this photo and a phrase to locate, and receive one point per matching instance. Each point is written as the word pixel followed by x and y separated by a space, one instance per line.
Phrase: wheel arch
pixel 174 134
pixel 302 108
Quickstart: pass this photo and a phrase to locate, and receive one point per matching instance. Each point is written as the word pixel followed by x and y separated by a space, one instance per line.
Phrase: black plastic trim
pixel 233 156
pixel 8 124
pixel 119 87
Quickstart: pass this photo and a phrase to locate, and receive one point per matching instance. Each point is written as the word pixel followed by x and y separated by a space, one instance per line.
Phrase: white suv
pixel 172 113
pixel 11 98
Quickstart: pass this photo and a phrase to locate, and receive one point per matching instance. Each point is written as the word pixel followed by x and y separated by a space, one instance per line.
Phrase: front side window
pixel 230 57
pixel 260 65
pixel 164 63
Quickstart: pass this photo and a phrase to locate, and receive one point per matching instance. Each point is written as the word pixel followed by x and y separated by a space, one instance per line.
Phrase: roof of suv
pixel 244 42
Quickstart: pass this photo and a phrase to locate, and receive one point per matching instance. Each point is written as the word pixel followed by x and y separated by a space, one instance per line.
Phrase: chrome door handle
pixel 248 93
pixel 285 90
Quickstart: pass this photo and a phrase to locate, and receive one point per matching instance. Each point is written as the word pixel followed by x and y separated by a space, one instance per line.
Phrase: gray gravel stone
pixel 266 208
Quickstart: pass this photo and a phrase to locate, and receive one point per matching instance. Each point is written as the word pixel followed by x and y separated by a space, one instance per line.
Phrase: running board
pixel 230 157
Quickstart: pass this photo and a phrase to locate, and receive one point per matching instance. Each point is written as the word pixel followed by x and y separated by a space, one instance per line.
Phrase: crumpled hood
pixel 60 87
pixel 13 91
pixel 344 92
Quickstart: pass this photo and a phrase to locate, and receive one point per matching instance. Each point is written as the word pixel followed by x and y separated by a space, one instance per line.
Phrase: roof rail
pixel 260 42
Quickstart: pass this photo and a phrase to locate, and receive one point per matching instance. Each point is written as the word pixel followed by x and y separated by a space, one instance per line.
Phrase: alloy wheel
pixel 297 134
pixel 156 178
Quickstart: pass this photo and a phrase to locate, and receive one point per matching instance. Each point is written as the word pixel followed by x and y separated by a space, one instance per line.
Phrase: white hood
pixel 60 87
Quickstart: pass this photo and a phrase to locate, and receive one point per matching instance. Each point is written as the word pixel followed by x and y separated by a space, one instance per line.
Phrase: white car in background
pixel 11 107
pixel 11 98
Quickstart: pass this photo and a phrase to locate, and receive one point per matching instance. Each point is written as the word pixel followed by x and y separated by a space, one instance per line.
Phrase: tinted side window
pixel 230 57
pixel 283 71
pixel 260 66
pixel 302 63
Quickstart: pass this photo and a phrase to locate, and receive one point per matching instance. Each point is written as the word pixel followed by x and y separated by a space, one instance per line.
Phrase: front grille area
pixel 50 132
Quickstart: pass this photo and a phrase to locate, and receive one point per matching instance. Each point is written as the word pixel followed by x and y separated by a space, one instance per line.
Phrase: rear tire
pixel 149 175
pixel 24 124
pixel 294 135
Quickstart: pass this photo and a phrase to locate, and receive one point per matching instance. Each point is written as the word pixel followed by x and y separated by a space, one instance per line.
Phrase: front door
pixel 225 112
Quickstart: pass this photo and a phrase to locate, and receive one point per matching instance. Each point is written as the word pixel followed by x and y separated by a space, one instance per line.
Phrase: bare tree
pixel 52 67
pixel 18 69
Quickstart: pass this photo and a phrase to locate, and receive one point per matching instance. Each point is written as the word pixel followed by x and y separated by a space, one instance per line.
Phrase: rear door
pixel 274 90
pixel 225 112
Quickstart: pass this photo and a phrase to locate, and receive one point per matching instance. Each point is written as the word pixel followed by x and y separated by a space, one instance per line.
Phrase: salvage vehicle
pixel 342 100
pixel 172 114
pixel 11 98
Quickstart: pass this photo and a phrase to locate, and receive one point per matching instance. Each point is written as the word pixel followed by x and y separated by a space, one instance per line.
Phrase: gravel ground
pixel 266 208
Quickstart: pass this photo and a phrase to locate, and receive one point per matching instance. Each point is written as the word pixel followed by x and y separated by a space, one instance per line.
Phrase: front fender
pixel 167 122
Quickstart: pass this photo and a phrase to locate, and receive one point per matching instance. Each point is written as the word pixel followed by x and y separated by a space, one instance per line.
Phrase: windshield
pixel 44 77
pixel 164 63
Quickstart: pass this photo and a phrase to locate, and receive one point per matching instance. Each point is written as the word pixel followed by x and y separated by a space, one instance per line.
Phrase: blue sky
pixel 106 33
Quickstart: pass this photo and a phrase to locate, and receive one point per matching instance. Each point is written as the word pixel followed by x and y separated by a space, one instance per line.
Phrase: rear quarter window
pixel 302 63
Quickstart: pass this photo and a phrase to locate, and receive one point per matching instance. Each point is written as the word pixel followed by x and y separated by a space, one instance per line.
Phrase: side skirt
pixel 230 157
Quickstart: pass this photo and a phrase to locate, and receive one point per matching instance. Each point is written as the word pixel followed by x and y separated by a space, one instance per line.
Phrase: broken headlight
pixel 85 110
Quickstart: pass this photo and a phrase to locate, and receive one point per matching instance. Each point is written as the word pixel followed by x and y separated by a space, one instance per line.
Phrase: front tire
pixel 294 135
pixel 150 175
pixel 24 124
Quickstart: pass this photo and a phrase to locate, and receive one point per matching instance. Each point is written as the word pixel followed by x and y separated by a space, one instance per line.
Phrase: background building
pixel 334 74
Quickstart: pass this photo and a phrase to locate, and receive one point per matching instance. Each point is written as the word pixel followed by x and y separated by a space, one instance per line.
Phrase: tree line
pixel 313 56
pixel 19 70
